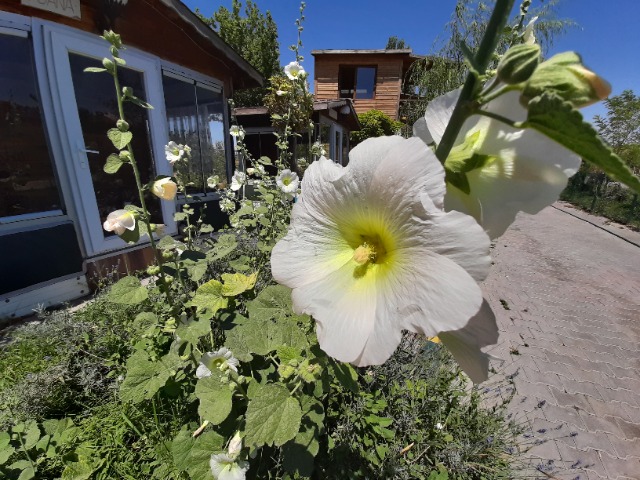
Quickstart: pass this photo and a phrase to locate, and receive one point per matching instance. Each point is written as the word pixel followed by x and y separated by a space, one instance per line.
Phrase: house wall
pixel 388 80
pixel 150 26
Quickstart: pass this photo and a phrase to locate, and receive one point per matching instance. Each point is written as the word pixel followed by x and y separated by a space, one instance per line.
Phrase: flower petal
pixel 421 130
pixel 439 112
pixel 465 344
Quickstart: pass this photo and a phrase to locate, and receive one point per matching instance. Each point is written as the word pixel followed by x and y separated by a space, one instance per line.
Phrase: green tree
pixel 621 126
pixel 446 69
pixel 374 124
pixel 255 37
pixel 395 43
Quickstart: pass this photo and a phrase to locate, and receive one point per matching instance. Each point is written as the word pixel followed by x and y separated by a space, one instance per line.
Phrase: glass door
pixel 89 108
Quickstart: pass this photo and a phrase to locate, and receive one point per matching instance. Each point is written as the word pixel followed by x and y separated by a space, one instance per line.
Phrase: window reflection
pixel 27 180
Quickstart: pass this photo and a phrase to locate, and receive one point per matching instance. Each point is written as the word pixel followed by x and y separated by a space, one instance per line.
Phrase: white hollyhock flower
pixel 119 221
pixel 221 359
pixel 294 70
pixel 164 188
pixel 213 181
pixel 370 251
pixel 281 92
pixel 236 131
pixel 528 35
pixel 525 170
pixel 439 426
pixel 225 467
pixel 176 152
pixel 238 180
pixel 288 181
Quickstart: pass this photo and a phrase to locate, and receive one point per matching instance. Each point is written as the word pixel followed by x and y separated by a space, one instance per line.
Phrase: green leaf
pixel 167 243
pixel 272 302
pixel 300 452
pixel 192 455
pixel 128 291
pixel 215 398
pixel 119 139
pixel 192 330
pixel 237 283
pixel 5 453
pixel 80 470
pixel 32 435
pixel 197 271
pixel 179 216
pixel 209 296
pixel 273 417
pixel 145 377
pixel 145 321
pixel 95 69
pixel 264 336
pixel 114 162
pixel 139 102
pixel 558 120
pixel 27 474
pixel 346 375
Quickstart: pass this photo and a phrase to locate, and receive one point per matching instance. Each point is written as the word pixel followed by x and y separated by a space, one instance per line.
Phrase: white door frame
pixel 59 41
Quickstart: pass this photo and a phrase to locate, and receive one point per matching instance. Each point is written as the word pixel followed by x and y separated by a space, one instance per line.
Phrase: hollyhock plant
pixel 225 467
pixel 236 131
pixel 521 169
pixel 119 221
pixel 370 252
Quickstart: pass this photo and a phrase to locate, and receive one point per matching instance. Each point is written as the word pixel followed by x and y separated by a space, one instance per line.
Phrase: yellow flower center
pixel 371 250
pixel 286 180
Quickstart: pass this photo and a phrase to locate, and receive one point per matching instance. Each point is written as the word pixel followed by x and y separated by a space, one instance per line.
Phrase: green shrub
pixel 374 123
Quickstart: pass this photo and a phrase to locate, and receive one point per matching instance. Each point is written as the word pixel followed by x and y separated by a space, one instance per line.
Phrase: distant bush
pixel 374 124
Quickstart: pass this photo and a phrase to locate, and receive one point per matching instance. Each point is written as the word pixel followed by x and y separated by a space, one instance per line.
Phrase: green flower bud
pixel 565 75
pixel 124 155
pixel 122 125
pixel 167 254
pixel 113 38
pixel 153 270
pixel 519 63
pixel 127 91
pixel 109 65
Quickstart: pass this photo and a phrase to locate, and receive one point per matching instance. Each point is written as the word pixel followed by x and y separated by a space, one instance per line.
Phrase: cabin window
pixel 357 82
pixel 28 187
pixel 195 117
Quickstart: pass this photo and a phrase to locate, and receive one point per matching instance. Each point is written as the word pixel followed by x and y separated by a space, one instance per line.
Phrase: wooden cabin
pixel 54 194
pixel 371 78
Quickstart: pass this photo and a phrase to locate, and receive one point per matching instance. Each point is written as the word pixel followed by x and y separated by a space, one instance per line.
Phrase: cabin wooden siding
pixel 150 26
pixel 387 87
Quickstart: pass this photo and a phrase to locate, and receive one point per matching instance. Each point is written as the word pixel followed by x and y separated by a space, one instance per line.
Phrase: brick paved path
pixel 571 334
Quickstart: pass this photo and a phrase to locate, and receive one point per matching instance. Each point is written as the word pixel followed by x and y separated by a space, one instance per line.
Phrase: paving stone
pixel 605 423
pixel 625 448
pixel 617 467
pixel 582 461
pixel 631 430
pixel 586 440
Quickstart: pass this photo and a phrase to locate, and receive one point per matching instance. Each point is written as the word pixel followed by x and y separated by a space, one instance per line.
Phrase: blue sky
pixel 608 37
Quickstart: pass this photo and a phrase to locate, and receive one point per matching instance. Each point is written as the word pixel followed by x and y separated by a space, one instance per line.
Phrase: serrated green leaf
pixel 273 416
pixel 192 455
pixel 145 321
pixel 167 243
pixel 80 470
pixel 300 452
pixel 240 264
pixel 237 283
pixel 113 164
pixel 31 435
pixel 179 216
pixel 215 398
pixel 286 353
pixel 128 291
pixel 192 330
pixel 558 120
pixel 144 377
pixel 119 139
pixel 197 271
pixel 272 302
pixel 265 336
pixel 209 296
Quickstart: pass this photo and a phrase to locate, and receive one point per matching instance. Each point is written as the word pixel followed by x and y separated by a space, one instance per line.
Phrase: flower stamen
pixel 364 253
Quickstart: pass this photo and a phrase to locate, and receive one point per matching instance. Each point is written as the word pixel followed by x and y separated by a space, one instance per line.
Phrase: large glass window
pixel 195 117
pixel 97 107
pixel 357 82
pixel 27 180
